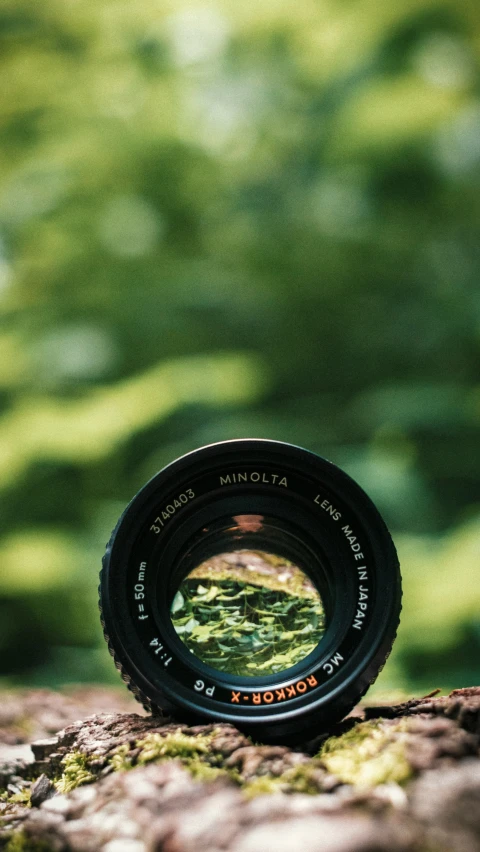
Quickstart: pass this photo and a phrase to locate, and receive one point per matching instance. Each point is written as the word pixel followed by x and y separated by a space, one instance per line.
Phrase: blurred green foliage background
pixel 223 219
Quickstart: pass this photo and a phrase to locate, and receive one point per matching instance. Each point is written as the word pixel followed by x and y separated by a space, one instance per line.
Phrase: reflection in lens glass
pixel 248 613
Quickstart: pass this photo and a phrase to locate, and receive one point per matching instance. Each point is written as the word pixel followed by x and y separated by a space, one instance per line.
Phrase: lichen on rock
pixel 175 744
pixel 75 773
pixel 370 754
pixel 21 842
pixel 404 780
pixel 193 751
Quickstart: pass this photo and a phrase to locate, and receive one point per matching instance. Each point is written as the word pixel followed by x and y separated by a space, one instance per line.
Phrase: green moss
pixel 371 753
pixel 197 757
pixel 120 759
pixel 194 752
pixel 155 746
pixel 20 842
pixel 301 779
pixel 76 772
pixel 297 779
pixel 203 771
pixel 263 784
pixel 22 798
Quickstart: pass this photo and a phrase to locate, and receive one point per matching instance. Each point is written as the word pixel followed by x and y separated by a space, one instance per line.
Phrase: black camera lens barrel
pixel 276 505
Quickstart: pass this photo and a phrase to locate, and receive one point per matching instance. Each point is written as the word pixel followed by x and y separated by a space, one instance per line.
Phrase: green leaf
pixel 178 602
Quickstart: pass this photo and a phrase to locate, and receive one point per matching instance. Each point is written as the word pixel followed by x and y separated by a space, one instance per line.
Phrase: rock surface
pixel 402 778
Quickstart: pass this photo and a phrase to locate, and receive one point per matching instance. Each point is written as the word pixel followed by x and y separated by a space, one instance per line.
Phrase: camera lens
pixel 251 582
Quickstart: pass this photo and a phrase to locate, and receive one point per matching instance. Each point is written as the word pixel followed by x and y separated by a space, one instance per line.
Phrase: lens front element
pixel 251 582
pixel 248 613
pixel 243 608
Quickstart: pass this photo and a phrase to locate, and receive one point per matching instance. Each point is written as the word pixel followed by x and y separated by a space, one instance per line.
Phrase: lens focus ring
pixel 251 582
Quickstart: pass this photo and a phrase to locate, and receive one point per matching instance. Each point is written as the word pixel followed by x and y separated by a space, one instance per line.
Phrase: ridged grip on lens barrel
pixel 342 702
pixel 138 694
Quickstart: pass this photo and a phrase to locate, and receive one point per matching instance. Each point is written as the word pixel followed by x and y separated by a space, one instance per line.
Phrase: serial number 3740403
pixel 170 510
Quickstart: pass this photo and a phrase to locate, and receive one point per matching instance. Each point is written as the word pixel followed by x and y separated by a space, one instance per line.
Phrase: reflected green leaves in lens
pixel 249 616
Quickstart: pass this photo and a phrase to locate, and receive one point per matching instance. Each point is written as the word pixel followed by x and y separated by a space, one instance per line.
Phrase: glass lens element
pixel 248 612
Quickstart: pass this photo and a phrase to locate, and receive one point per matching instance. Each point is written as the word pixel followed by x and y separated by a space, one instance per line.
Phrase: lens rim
pixel 352 676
